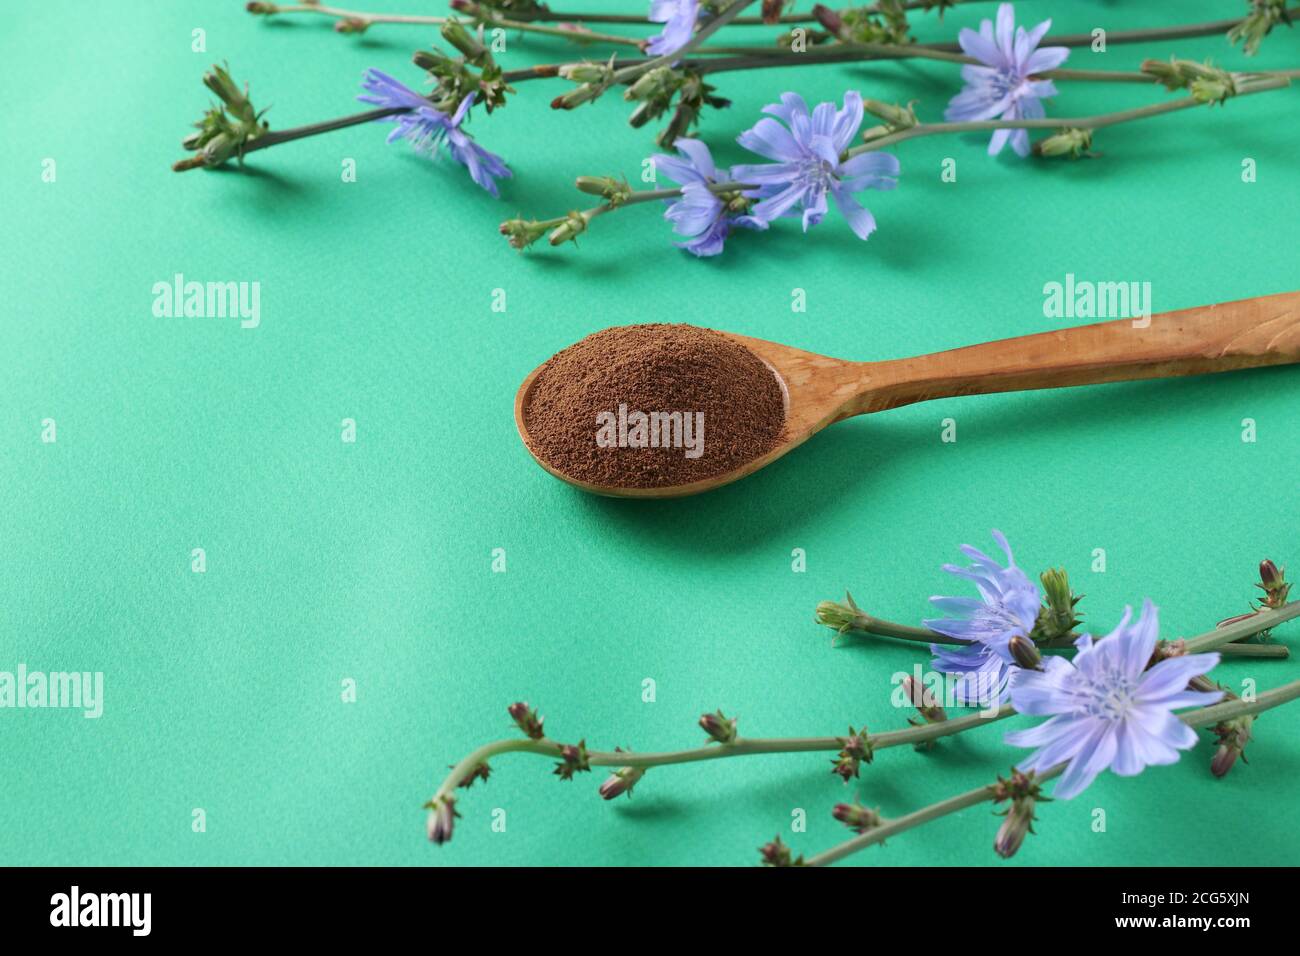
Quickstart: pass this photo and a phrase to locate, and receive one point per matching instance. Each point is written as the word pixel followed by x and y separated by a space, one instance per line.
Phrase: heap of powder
pixel 656 368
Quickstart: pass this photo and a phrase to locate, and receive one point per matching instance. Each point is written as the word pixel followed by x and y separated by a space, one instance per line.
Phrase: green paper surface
pixel 372 561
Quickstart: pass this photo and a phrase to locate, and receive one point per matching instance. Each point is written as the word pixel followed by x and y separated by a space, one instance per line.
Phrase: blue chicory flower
pixel 1107 708
pixel 678 18
pixel 1007 606
pixel 426 127
pixel 699 214
pixel 808 162
pixel 1002 88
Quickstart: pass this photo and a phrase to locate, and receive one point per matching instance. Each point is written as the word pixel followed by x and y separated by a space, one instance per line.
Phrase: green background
pixel 372 560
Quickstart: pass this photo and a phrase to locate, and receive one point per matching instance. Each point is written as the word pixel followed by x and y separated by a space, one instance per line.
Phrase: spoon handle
pixel 1214 338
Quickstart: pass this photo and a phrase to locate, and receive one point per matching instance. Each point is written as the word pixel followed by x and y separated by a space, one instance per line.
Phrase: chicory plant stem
pixel 368 19
pixel 878 627
pixel 740 747
pixel 1247 87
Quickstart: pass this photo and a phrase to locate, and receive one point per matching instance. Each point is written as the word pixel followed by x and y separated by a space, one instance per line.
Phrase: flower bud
pixel 777 853
pixel 1068 142
pixel 261 9
pixel 843 617
pixel 522 233
pixel 771 10
pixel 615 191
pixel 856 817
pixel 657 84
pixel 923 699
pixel 573 759
pixel 219 149
pixel 464 41
pixel 1216 90
pixel 574 225
pixel 587 72
pixel 895 117
pixel 857 749
pixel 1233 736
pixel 1272 580
pixel 480 772
pixel 526 718
pixel 828 18
pixel 1016 825
pixel 621 782
pixel 1024 653
pixel 1024 792
pixel 442 818
pixel 575 98
pixel 719 727
pixel 1263 16
pixel 351 25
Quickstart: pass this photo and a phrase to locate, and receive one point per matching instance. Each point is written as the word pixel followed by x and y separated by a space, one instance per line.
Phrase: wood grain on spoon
pixel 820 390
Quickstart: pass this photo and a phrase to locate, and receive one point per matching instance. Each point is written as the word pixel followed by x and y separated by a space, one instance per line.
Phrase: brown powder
pixel 574 406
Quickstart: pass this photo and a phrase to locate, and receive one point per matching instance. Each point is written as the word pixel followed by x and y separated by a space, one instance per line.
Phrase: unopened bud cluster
pixel 777 854
pixel 1206 82
pixel 227 127
pixel 720 728
pixel 1024 792
pixel 856 817
pixel 856 751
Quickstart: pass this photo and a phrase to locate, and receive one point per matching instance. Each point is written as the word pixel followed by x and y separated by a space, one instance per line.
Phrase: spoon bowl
pixel 819 390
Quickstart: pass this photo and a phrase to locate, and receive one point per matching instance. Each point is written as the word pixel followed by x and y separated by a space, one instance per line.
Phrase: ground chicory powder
pixel 651 406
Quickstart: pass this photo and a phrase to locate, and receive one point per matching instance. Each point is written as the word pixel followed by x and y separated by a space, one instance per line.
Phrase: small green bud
pixel 842 617
pixel 1068 142
pixel 1057 617
pixel 1213 90
pixel 588 72
pixel 614 191
pixel 658 83
pixel 574 225
pixel 351 25
pixel 454 32
pixel 896 117
pixel 1264 15
pixel 522 233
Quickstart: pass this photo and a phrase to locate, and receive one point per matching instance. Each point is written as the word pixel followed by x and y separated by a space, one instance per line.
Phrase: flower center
pixel 1008 84
pixel 817 173
pixel 1109 696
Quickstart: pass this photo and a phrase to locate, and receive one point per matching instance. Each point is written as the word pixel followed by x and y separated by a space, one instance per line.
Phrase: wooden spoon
pixel 820 390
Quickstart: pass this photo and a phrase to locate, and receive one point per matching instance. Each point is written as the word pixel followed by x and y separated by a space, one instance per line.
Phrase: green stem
pixel 741 747
pixel 1203 717
pixel 412 20
pixel 862 623
pixel 1220 638
pixel 1084 122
